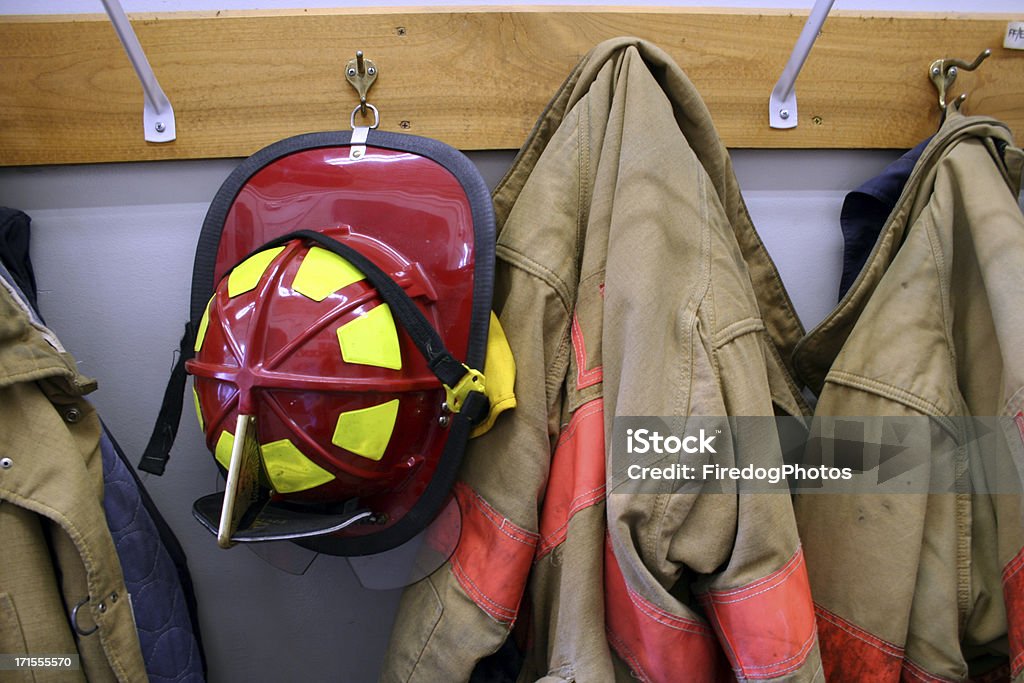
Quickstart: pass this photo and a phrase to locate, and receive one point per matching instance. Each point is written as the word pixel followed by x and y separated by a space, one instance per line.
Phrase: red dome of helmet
pixel 345 406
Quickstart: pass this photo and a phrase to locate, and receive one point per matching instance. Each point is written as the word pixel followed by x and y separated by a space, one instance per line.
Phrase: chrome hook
pixel 944 71
pixel 361 73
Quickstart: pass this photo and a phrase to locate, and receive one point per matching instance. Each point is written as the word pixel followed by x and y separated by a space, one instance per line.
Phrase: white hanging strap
pixel 782 103
pixel 157 114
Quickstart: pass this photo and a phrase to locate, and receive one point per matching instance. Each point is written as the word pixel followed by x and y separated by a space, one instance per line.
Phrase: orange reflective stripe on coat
pixel 657 645
pixel 767 626
pixel 1013 594
pixel 493 557
pixel 1013 597
pixel 577 478
pixel 849 653
pixel 584 377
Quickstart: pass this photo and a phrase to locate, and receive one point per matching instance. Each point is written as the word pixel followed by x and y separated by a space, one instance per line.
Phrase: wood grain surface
pixel 476 78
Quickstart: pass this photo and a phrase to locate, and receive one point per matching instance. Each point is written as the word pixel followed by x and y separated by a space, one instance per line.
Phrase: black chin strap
pixel 158 450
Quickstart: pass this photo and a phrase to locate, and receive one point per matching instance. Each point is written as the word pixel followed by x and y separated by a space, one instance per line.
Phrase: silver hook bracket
pixel 782 112
pixel 157 113
pixel 357 149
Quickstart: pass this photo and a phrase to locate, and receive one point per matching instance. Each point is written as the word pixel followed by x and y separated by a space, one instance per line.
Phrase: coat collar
pixel 29 351
pixel 816 352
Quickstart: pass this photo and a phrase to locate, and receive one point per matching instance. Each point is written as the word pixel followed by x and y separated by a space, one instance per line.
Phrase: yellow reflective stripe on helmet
pixel 371 339
pixel 247 274
pixel 225 443
pixel 199 409
pixel 204 325
pixel 322 273
pixel 367 431
pixel 289 470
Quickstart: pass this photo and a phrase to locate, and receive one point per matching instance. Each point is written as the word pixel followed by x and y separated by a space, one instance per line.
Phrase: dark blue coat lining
pixel 866 209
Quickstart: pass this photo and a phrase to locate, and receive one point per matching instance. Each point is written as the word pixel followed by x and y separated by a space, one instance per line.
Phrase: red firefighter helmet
pixel 354 347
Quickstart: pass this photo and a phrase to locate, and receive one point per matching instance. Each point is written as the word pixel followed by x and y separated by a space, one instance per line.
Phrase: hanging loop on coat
pixel 943 73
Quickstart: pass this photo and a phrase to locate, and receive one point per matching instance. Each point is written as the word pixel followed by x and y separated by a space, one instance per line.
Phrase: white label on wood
pixel 1014 36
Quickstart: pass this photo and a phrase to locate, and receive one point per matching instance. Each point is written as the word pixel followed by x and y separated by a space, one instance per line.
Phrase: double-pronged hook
pixel 944 71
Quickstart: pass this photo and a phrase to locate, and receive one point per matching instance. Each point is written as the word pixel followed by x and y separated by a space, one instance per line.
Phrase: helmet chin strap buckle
pixel 468 397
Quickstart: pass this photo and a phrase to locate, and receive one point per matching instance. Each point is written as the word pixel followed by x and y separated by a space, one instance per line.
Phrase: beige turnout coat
pixel 56 551
pixel 630 282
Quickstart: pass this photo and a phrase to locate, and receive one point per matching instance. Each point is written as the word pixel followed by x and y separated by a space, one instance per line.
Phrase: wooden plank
pixel 476 78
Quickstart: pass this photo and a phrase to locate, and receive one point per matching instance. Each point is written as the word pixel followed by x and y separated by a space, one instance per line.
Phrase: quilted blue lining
pixel 169 646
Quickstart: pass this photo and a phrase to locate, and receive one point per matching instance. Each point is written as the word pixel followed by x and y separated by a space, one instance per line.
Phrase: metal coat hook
pixel 157 113
pixel 944 71
pixel 361 73
pixel 782 103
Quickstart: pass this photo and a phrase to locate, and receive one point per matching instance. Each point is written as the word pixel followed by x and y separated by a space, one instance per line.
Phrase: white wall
pixel 113 247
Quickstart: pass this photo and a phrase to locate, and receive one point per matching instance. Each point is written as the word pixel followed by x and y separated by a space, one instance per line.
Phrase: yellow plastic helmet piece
pixel 371 339
pixel 501 377
pixel 247 274
pixel 199 410
pixel 289 470
pixel 322 273
pixel 204 325
pixel 225 442
pixel 366 431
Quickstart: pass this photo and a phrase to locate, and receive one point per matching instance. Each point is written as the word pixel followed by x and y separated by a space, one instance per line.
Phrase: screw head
pixel 351 71
pixel 160 127
pixel 953 71
pixel 372 71
pixel 783 114
pixel 357 153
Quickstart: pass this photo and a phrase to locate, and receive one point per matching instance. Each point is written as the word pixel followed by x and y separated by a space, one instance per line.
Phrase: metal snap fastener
pixel 102 607
pixel 113 597
pixel 73 415
pixel 6 463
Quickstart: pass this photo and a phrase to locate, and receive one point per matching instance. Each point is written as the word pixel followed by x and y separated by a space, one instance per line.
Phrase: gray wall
pixel 113 247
